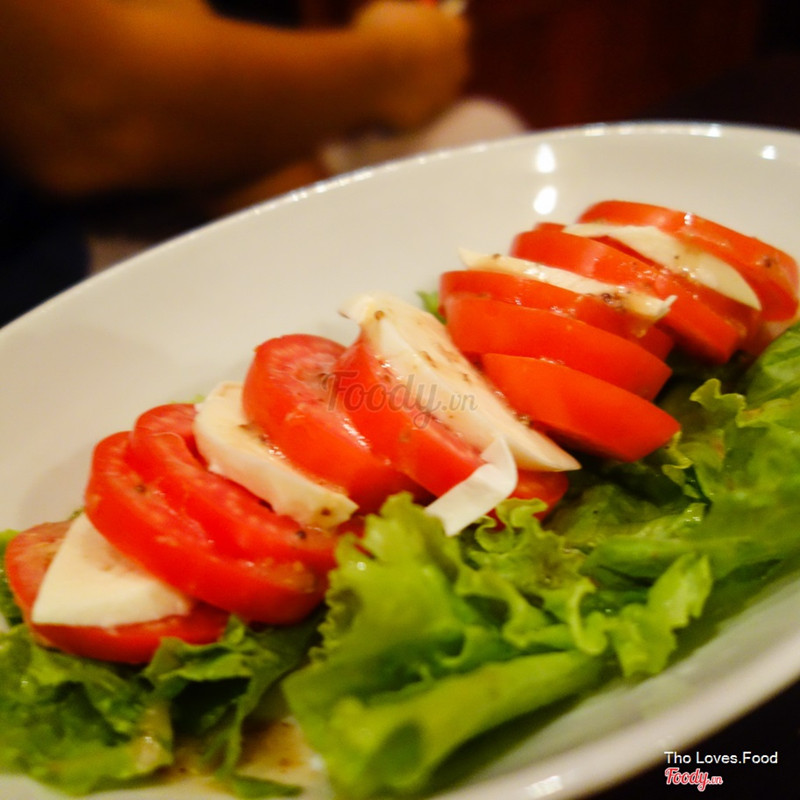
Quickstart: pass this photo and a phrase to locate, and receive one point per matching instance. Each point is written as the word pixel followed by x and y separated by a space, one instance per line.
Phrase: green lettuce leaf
pixel 215 689
pixel 743 460
pixel 776 373
pixel 74 723
pixel 9 611
pixel 81 725
pixel 432 641
pixel 421 652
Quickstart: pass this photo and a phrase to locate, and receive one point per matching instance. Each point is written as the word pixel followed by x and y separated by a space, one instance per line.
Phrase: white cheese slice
pixel 419 352
pixel 89 582
pixel 639 303
pixel 677 256
pixel 479 493
pixel 234 449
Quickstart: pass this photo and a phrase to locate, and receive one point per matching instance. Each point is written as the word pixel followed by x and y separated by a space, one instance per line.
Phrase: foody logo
pixel 678 777
pixel 686 769
pixel 421 400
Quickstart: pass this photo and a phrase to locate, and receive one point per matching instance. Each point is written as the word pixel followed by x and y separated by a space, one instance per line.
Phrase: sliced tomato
pixel 521 290
pixel 481 325
pixel 289 392
pixel 772 273
pixel 549 487
pixel 745 319
pixel 696 327
pixel 163 451
pixel 385 411
pixel 137 518
pixel 27 558
pixel 579 410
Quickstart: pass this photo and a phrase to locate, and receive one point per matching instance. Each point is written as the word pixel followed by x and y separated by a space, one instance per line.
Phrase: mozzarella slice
pixel 677 256
pixel 89 582
pixel 478 494
pixel 234 449
pixel 639 303
pixel 418 350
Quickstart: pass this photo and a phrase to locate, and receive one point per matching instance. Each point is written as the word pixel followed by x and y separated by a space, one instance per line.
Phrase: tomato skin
pixel 480 325
pixel 531 293
pixel 289 393
pixel 549 487
pixel 384 411
pixel 580 410
pixel 696 328
pixel 163 451
pixel 745 319
pixel 27 558
pixel 138 520
pixel 772 273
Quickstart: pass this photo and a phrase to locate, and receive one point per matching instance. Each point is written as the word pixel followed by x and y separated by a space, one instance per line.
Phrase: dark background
pixel 567 62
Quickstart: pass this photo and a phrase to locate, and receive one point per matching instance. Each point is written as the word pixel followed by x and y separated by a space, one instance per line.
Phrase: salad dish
pixel 458 538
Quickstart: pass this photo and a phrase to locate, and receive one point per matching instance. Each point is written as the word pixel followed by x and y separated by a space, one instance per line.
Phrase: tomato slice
pixel 28 556
pixel 289 393
pixel 137 518
pixel 480 325
pixel 745 319
pixel 547 486
pixel 772 273
pixel 697 328
pixel 580 410
pixel 384 410
pixel 532 293
pixel 163 451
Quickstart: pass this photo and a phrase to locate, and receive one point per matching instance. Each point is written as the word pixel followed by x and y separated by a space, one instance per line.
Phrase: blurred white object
pixel 453 7
pixel 469 121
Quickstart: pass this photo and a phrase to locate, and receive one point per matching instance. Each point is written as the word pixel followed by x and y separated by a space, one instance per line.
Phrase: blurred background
pixel 537 63
pixel 566 62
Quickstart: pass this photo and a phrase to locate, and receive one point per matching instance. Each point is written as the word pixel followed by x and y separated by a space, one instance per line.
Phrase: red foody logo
pixel 678 777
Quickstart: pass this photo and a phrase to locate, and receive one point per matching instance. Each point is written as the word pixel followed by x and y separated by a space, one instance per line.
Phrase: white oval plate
pixel 167 325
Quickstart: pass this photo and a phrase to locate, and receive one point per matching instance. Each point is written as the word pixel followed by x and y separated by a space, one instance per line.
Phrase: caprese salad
pixel 251 506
